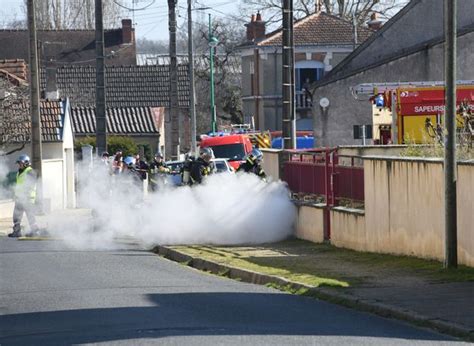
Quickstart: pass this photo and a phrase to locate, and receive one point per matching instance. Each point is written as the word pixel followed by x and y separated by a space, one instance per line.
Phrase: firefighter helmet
pixel 206 153
pixel 256 154
pixel 24 159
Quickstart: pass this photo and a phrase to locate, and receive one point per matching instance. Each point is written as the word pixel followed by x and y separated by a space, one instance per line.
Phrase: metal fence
pixel 318 172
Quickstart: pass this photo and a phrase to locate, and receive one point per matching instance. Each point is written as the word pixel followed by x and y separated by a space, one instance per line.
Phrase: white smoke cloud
pixel 4 170
pixel 228 209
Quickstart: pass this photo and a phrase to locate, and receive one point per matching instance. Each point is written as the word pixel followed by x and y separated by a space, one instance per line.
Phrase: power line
pixel 134 9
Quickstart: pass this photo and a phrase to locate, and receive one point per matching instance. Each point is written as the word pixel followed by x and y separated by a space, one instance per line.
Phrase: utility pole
pixel 450 179
pixel 212 44
pixel 192 96
pixel 173 103
pixel 36 146
pixel 288 86
pixel 100 118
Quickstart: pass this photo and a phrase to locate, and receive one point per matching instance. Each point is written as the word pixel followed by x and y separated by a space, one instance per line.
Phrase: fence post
pixel 327 209
pixel 283 157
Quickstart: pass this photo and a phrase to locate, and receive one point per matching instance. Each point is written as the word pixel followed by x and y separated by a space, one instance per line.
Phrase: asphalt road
pixel 50 294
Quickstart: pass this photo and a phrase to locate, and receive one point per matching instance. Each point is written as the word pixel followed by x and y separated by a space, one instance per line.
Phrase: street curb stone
pixel 348 300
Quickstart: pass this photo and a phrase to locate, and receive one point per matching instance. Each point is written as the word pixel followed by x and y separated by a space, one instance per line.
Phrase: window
pixel 307 71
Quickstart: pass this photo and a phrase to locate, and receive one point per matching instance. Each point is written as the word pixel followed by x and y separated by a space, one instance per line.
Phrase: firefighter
pixel 201 167
pixel 141 167
pixel 157 171
pixel 25 196
pixel 253 164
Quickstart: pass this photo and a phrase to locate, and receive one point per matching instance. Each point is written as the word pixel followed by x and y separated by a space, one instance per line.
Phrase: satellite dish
pixel 324 102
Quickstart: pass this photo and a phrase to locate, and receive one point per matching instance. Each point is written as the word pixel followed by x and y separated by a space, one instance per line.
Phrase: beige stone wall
pixel 310 224
pixel 465 204
pixel 271 163
pixel 404 207
pixel 348 229
pixel 6 208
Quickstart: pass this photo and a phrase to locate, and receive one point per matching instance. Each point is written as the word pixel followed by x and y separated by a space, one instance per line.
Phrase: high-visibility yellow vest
pixel 20 188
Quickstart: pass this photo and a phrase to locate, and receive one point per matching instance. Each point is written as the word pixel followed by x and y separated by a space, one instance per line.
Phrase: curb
pixel 325 294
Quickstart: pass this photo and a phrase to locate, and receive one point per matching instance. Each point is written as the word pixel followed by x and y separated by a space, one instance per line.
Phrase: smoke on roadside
pixel 227 209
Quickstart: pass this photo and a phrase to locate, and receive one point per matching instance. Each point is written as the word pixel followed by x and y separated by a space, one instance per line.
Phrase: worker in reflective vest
pixel 25 196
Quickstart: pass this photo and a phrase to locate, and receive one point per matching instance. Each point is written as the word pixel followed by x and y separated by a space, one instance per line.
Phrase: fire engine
pixel 234 147
pixel 415 109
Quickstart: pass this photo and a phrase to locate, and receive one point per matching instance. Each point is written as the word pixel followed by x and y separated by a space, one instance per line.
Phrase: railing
pixel 318 172
pixel 349 182
pixel 303 100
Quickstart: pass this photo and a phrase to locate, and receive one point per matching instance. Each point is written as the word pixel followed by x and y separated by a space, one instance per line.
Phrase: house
pixel 143 124
pixel 408 48
pixel 72 46
pixel 130 90
pixel 57 179
pixel 321 41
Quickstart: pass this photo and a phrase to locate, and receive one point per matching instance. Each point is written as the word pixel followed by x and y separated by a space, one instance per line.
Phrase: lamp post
pixel 212 43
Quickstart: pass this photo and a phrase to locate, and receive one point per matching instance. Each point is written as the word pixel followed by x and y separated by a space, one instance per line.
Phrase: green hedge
pixel 114 143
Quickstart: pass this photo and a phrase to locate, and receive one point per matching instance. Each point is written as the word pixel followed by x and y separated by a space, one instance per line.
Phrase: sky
pixel 152 22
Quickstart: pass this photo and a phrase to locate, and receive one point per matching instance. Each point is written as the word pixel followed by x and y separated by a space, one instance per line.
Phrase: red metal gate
pixel 318 172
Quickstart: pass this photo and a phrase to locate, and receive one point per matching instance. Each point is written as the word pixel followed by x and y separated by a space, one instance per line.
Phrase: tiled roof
pixel 52 115
pixel 126 86
pixel 68 46
pixel 127 120
pixel 319 29
pixel 12 78
pixel 16 67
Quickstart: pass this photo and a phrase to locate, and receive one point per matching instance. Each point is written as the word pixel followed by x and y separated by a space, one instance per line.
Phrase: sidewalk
pixel 415 290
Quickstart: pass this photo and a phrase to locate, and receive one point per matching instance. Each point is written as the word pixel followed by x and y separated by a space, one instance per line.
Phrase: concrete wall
pixel 310 223
pixel 6 208
pixel 348 229
pixel 336 126
pixel 271 162
pixel 54 185
pixel 404 211
pixel 465 203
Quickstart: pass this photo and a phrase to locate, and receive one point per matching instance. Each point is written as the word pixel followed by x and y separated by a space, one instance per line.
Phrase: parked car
pixel 222 166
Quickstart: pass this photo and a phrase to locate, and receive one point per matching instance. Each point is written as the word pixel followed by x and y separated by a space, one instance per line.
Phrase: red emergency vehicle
pixel 232 147
pixel 416 108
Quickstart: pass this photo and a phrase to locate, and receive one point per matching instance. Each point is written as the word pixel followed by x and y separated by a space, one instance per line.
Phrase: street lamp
pixel 213 41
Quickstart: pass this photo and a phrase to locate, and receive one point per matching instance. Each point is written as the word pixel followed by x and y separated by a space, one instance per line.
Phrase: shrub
pixel 114 143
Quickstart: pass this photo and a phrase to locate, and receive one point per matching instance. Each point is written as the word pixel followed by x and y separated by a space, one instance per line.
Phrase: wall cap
pixel 270 150
pixel 309 204
pixel 359 212
pixel 403 158
pixel 414 159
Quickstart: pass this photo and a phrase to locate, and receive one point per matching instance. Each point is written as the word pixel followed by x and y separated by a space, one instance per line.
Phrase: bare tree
pixel 15 124
pixel 73 14
pixel 227 67
pixel 347 9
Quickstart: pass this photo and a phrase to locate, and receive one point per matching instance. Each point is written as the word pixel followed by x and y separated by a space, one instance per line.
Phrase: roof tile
pixel 319 29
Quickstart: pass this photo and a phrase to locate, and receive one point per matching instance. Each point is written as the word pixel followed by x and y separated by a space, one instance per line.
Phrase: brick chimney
pixel 51 91
pixel 374 23
pixel 128 33
pixel 256 28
